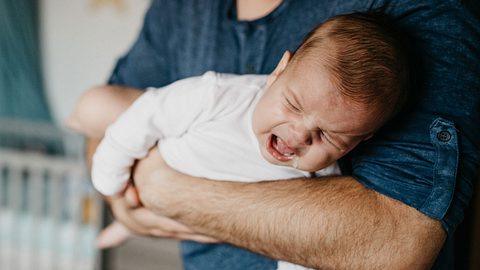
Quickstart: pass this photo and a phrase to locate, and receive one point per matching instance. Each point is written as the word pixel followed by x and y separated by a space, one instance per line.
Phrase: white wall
pixel 80 45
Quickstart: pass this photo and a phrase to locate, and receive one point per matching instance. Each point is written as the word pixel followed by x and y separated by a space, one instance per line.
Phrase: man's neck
pixel 249 10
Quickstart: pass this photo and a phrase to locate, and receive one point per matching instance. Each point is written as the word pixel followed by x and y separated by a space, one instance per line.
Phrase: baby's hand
pixel 110 168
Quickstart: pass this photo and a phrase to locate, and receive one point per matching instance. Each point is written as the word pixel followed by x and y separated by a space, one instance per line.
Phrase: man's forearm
pixel 329 223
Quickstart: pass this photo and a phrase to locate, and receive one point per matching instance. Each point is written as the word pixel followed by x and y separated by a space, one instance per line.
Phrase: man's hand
pixel 132 218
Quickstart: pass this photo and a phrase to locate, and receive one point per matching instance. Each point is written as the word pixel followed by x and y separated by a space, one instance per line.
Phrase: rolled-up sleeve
pixel 428 157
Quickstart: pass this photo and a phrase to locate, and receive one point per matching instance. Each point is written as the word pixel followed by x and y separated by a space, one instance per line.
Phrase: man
pixel 409 184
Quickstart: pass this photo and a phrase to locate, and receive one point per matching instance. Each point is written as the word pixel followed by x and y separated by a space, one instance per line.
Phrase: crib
pixel 49 213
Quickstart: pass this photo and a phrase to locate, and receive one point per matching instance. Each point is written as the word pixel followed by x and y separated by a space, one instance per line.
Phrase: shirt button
pixel 444 136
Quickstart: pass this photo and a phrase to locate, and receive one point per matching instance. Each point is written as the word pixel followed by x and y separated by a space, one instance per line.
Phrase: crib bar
pixel 42 213
pixel 35 194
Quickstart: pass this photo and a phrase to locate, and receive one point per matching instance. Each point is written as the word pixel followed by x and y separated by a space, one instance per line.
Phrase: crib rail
pixel 49 214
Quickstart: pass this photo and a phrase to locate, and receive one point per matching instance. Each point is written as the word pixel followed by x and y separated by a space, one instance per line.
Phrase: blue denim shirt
pixel 427 157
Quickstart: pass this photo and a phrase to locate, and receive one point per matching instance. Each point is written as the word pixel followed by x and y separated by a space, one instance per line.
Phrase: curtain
pixel 21 89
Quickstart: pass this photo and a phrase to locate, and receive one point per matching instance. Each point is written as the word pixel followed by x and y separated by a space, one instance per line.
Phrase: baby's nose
pixel 303 136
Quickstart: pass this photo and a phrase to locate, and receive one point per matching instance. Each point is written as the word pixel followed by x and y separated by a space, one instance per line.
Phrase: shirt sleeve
pixel 428 156
pixel 158 113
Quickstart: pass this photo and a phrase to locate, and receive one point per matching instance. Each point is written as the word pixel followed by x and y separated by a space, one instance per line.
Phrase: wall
pixel 80 44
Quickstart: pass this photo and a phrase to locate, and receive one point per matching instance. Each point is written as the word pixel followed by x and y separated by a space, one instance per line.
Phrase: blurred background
pixel 51 51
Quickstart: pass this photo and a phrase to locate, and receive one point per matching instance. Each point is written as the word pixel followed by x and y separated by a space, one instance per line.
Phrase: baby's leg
pixel 99 107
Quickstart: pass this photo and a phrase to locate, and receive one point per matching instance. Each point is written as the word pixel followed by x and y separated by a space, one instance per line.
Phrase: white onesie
pixel 203 126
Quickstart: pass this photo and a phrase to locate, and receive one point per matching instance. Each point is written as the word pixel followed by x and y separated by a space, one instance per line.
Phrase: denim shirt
pixel 427 157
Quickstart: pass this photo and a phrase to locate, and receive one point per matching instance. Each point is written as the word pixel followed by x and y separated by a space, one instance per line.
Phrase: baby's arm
pixel 153 115
pixel 126 140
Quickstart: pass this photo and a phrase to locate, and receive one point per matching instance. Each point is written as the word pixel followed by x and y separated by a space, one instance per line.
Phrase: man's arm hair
pixel 328 223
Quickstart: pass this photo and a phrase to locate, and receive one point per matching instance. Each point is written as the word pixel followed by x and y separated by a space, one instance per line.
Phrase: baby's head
pixel 347 78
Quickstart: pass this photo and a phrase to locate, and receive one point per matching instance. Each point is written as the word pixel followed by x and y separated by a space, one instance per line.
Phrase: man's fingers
pixel 148 223
pixel 196 238
pixel 139 220
pixel 131 197
pixel 125 215
pixel 112 236
pixel 152 222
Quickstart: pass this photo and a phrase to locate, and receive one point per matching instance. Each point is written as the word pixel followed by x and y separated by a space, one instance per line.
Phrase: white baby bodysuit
pixel 203 126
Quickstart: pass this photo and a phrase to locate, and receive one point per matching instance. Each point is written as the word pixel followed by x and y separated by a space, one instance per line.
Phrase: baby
pixel 346 79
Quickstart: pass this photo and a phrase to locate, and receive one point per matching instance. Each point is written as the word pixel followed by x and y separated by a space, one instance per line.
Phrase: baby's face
pixel 302 121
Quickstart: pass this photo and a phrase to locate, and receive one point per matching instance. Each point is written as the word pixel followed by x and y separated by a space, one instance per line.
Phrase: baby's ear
pixel 282 64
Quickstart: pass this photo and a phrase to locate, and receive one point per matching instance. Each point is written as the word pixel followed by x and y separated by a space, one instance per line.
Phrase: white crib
pixel 49 214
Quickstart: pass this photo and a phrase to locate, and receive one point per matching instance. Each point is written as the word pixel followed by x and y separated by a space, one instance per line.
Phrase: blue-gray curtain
pixel 21 89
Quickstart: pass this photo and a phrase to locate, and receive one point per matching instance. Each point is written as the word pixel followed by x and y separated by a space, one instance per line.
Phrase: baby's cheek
pixel 313 163
pixel 320 158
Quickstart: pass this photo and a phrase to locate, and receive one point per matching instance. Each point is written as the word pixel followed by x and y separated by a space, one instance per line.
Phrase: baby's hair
pixel 366 58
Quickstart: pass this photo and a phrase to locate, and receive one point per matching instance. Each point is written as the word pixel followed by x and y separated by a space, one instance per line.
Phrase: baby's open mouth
pixel 279 149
